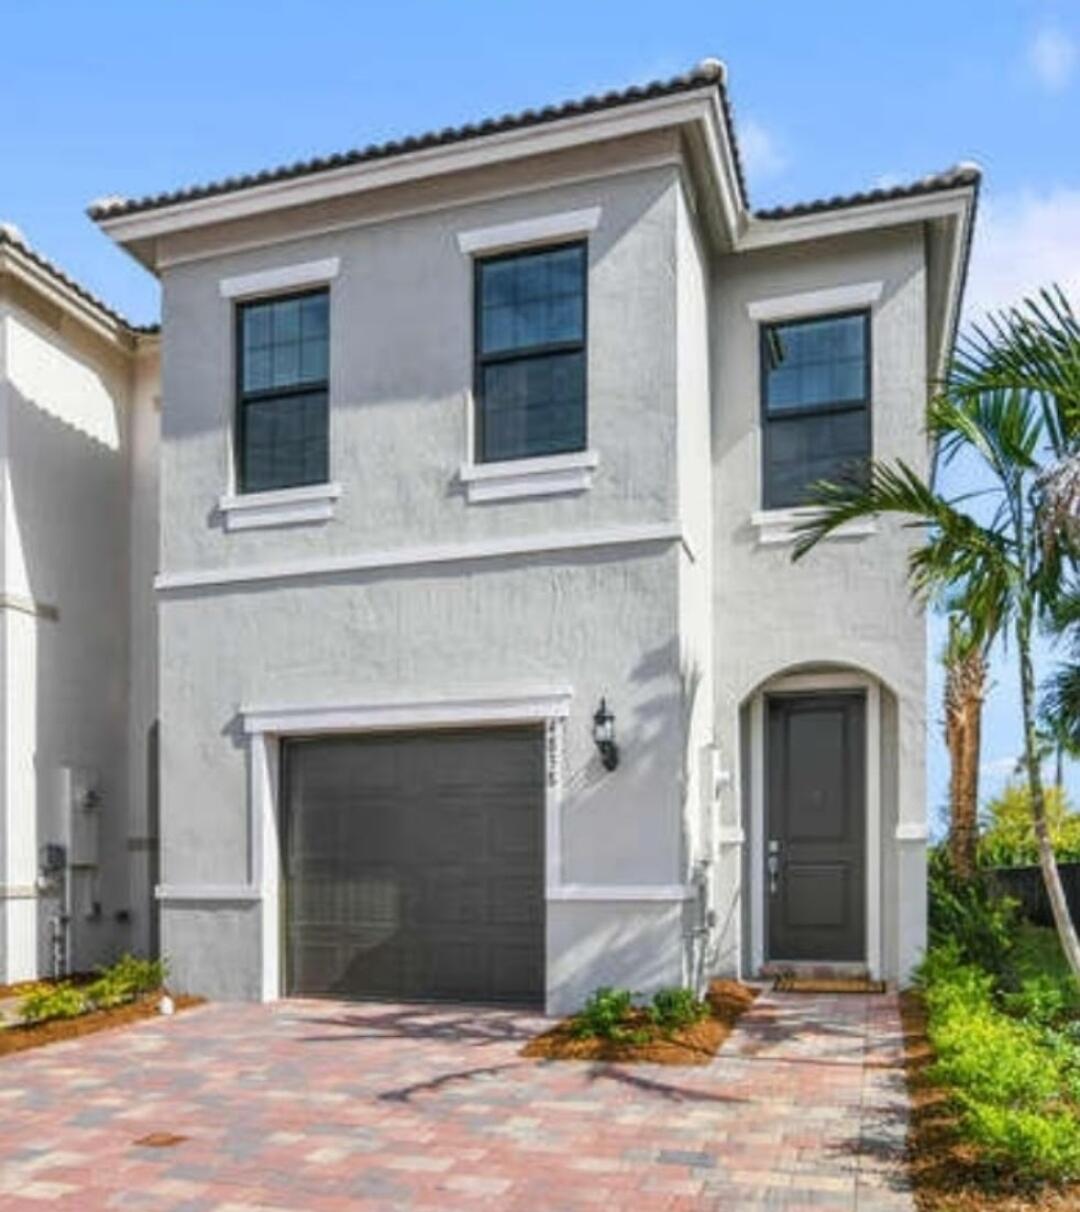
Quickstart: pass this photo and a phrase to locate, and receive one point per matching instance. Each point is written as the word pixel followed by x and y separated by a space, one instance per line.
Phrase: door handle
pixel 774 866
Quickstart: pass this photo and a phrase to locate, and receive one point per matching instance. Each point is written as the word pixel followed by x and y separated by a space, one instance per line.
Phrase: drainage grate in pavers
pixel 160 1140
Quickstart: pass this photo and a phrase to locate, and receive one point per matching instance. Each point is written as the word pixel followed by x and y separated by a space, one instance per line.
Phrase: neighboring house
pixel 78 538
pixel 484 669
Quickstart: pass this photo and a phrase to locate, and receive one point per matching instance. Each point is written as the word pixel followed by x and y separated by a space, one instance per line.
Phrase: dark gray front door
pixel 415 865
pixel 816 827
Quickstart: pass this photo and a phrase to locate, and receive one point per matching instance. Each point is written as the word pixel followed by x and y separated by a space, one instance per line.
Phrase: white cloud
pixel 1024 241
pixel 1052 57
pixel 760 151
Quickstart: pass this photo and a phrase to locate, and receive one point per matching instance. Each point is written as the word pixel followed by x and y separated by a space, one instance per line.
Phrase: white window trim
pixel 817 682
pixel 279 507
pixel 539 477
pixel 280 279
pixel 777 527
pixel 815 302
pixel 522 233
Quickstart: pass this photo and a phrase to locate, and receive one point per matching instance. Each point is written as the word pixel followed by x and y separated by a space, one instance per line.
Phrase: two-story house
pixel 484 671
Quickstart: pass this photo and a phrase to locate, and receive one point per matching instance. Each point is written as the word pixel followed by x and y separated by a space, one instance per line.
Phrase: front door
pixel 815 835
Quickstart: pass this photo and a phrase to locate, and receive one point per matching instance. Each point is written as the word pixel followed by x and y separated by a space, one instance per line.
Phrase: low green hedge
pixel 1015 1080
pixel 122 982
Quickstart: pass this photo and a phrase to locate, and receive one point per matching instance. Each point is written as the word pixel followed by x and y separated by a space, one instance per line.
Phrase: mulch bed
pixel 695 1045
pixel 947 1174
pixel 34 1035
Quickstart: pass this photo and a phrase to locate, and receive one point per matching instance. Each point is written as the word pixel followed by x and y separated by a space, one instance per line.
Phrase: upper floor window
pixel 530 353
pixel 283 359
pixel 815 377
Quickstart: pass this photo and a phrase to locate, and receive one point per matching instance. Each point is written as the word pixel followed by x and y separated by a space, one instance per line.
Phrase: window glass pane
pixel 533 406
pixel 532 299
pixel 285 442
pixel 800 450
pixel 815 363
pixel 285 342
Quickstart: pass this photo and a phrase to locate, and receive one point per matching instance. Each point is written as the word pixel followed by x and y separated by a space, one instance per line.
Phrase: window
pixel 530 353
pixel 815 377
pixel 282 409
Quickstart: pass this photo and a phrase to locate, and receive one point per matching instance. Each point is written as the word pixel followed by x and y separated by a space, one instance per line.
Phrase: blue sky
pixel 122 98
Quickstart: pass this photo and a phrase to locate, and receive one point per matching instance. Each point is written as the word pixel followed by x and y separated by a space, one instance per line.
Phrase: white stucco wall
pixel 65 406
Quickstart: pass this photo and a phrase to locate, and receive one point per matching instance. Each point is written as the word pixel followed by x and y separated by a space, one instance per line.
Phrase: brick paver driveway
pixel 318 1106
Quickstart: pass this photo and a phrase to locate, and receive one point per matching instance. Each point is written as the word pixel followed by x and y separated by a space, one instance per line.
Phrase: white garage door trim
pixel 267 725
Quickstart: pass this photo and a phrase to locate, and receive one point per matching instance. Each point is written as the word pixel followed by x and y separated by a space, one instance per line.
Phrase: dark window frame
pixel 315 387
pixel 527 353
pixel 817 410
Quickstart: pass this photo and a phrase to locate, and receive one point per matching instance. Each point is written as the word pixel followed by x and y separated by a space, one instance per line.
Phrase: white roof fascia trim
pixel 24 270
pixel 767 233
pixel 523 232
pixel 959 231
pixel 815 302
pixel 295 719
pixel 406 557
pixel 427 162
pixel 281 278
pixel 301 230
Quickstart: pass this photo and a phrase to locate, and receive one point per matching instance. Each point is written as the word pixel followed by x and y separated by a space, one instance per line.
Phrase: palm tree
pixel 1011 400
pixel 965 689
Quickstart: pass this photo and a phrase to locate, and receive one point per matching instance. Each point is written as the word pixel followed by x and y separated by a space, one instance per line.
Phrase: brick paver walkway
pixel 316 1107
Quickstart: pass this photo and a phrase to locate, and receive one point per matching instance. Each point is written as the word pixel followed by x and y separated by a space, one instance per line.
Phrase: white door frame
pixel 808 683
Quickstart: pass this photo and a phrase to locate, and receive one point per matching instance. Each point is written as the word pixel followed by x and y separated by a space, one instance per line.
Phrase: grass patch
pixel 675 1029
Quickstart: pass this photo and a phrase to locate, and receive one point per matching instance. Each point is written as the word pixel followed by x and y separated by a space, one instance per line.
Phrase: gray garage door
pixel 415 865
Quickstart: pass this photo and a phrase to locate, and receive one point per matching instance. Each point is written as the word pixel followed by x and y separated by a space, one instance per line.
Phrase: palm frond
pixel 1033 348
pixel 1060 707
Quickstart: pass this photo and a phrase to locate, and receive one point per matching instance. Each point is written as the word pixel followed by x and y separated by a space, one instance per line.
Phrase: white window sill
pixel 779 526
pixel 515 478
pixel 281 507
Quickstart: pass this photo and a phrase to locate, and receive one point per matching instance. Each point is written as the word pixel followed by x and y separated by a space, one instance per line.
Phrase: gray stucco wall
pixel 605 621
pixel 847 604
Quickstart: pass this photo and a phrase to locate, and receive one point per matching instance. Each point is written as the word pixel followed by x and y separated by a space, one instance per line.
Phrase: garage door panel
pixel 414 865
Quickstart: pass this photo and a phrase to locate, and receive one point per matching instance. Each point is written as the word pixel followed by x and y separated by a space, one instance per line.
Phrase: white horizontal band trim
pixel 529 477
pixel 815 302
pixel 782 526
pixel 666 893
pixel 24 605
pixel 18 892
pixel 912 833
pixel 530 231
pixel 207 892
pixel 730 835
pixel 405 557
pixel 284 277
pixel 423 713
pixel 282 507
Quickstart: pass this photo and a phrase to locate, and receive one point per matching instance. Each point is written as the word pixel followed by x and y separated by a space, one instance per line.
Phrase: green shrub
pixel 1039 1145
pixel 970 915
pixel 1008 836
pixel 676 1007
pixel 49 1002
pixel 1015 1080
pixel 604 1015
pixel 125 980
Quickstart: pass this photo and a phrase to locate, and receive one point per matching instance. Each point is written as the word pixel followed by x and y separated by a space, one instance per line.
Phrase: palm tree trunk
pixel 1059 905
pixel 965 689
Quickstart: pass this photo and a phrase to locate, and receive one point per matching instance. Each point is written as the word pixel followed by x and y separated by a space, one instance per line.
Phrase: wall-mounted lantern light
pixel 603 731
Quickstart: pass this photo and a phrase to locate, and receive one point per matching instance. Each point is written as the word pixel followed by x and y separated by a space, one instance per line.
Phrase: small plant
pixel 677 1007
pixel 968 914
pixel 49 1002
pixel 604 1015
pixel 126 980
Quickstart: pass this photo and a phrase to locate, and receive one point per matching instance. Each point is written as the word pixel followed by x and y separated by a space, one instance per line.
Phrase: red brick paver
pixel 321 1107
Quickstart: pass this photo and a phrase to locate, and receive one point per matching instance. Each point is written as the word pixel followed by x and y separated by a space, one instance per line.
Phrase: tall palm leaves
pixel 1006 557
